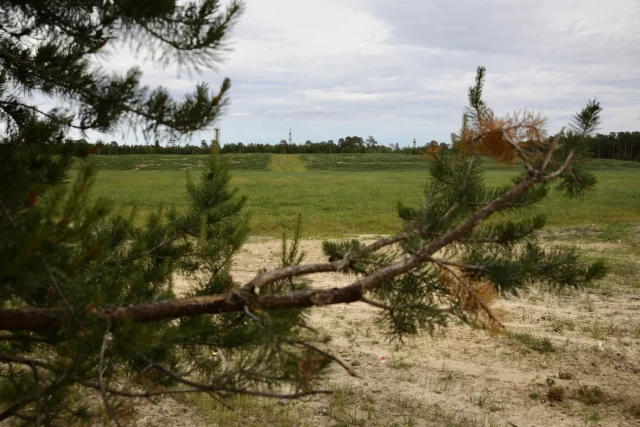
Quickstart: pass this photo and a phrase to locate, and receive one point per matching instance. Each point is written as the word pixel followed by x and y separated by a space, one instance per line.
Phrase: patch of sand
pixel 486 377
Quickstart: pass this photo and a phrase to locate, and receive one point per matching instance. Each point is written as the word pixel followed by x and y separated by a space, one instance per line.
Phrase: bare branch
pixel 346 367
pixel 552 148
pixel 519 150
pixel 50 116
pixel 101 371
pixel 217 389
pixel 561 169
pixel 336 266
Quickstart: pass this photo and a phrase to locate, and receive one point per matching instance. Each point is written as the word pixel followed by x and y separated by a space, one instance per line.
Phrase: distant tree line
pixel 615 145
pixel 349 144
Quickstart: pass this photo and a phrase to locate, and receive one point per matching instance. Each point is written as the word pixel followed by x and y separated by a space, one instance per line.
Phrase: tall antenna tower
pixel 290 140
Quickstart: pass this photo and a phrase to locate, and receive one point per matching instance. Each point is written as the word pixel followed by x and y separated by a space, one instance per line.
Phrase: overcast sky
pixel 400 69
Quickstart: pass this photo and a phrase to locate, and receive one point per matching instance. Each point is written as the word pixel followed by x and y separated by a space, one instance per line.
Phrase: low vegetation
pixel 335 204
pixel 169 162
pixel 533 342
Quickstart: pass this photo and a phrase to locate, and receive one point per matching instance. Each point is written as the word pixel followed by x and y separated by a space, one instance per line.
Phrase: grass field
pixel 566 358
pixel 160 162
pixel 356 201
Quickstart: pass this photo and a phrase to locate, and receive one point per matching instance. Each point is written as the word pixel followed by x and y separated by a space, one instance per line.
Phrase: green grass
pixel 162 162
pixel 286 163
pixel 385 162
pixel 363 162
pixel 341 203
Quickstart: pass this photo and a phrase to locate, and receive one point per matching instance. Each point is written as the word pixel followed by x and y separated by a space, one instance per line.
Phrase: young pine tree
pixel 87 295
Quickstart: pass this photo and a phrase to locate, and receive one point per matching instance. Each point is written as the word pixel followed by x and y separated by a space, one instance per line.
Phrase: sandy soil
pixel 464 377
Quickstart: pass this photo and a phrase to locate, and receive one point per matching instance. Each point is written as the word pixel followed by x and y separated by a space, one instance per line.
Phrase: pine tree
pixel 86 293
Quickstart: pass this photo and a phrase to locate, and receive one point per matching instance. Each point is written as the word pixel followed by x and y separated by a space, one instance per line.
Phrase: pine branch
pixel 64 121
pixel 560 170
pixel 552 149
pixel 82 89
pixel 392 308
pixel 337 266
pixel 12 410
pixel 34 319
pixel 213 388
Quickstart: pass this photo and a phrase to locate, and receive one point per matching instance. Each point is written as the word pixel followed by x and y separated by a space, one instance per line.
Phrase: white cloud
pixel 400 69
pixel 339 94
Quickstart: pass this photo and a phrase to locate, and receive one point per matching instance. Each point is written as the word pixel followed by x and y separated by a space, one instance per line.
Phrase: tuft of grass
pixel 269 412
pixel 399 363
pixel 560 324
pixel 442 417
pixel 592 417
pixel 485 400
pixel 540 344
pixel 602 331
pixel 565 375
pixel 593 395
pixel 556 393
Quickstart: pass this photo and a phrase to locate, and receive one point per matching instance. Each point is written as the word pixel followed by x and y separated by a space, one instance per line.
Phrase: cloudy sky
pixel 400 69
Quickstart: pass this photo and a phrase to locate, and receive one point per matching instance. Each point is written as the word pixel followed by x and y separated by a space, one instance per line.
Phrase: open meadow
pixel 565 359
pixel 340 195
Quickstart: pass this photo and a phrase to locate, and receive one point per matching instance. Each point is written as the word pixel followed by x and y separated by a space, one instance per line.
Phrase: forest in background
pixel 615 145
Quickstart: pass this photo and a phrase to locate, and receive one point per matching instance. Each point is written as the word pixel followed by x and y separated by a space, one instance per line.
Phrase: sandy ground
pixel 464 377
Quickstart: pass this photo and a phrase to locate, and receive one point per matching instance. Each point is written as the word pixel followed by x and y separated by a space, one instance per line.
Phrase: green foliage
pixel 64 250
pixel 47 49
pixel 511 268
pixel 82 259
pixel 465 257
pixel 476 104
